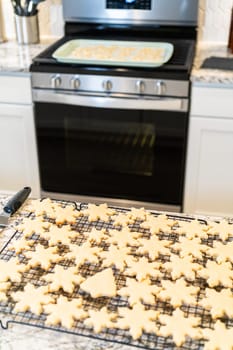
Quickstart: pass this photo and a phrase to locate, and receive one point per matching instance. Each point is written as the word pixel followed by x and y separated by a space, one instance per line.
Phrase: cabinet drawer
pixel 15 89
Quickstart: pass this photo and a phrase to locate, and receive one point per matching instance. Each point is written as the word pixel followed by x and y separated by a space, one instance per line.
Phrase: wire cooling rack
pixel 82 225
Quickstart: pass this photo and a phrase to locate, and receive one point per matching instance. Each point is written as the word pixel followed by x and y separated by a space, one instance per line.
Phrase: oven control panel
pixel 129 4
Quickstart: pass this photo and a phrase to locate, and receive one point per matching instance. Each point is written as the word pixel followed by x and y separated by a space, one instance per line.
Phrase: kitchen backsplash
pixel 214 19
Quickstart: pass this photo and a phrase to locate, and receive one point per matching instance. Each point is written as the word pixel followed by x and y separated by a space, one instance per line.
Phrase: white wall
pixel 214 19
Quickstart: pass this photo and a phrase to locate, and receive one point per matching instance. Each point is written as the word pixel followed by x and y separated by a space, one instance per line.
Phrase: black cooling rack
pixel 82 225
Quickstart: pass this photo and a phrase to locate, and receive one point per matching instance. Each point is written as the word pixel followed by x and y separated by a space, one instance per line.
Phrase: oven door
pixel 112 147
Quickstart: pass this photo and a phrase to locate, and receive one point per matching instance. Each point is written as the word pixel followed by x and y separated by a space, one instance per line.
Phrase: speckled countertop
pixel 211 76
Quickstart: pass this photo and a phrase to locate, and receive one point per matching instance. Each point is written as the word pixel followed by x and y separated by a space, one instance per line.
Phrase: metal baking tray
pixel 118 52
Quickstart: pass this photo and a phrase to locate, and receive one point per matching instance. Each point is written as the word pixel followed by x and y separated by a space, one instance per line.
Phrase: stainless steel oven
pixel 116 133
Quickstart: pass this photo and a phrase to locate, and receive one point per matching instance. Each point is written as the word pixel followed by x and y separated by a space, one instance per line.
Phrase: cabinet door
pixel 18 156
pixel 209 171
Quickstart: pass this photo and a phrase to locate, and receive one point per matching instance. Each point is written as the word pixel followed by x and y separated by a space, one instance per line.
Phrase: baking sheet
pixel 112 52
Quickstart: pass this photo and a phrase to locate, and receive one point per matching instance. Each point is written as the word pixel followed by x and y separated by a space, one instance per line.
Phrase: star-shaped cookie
pixel 32 298
pixel 10 270
pixel 65 278
pixel 124 237
pixel 153 247
pixel 67 214
pixel 158 224
pixel 218 338
pixel 192 229
pixel 20 244
pixel 138 292
pixel 30 226
pixel 102 284
pixel 83 253
pixel 95 235
pixel 65 312
pixel 178 292
pixel 179 327
pixel 143 269
pixel 217 274
pixel 190 247
pixel 222 228
pixel 218 303
pixel 57 235
pixel 137 214
pixel 41 207
pixel 118 257
pixel 222 252
pixel 42 256
pixel 4 286
pixel 137 319
pixel 98 212
pixel 122 220
pixel 100 319
pixel 179 267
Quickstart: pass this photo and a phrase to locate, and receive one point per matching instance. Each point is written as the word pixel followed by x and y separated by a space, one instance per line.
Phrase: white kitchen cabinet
pixel 209 168
pixel 18 154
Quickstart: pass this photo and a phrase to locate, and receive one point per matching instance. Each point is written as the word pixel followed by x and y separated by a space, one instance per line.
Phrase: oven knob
pixel 56 81
pixel 75 83
pixel 140 87
pixel 160 87
pixel 107 85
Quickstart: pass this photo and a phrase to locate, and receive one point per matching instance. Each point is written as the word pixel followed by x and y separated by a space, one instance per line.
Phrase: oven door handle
pixel 108 101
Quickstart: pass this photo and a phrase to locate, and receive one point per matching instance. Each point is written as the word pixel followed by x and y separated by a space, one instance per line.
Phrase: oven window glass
pixel 115 153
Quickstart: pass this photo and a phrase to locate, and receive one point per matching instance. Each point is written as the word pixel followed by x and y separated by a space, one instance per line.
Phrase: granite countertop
pixel 211 76
pixel 23 337
pixel 17 58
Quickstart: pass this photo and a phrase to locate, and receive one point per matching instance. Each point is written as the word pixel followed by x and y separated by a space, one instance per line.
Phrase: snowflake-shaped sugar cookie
pixel 218 303
pixel 178 292
pixel 42 257
pixel 217 274
pixel 137 214
pixel 123 238
pixel 95 235
pixel 118 257
pixel 153 247
pixel 20 245
pixel 102 284
pixel 10 270
pixel 98 212
pixel 65 278
pixel 42 207
pixel 100 319
pixel 65 312
pixel 30 226
pixel 4 286
pixel 222 252
pixel 179 327
pixel 122 220
pixel 138 292
pixel 143 269
pixel 57 235
pixel 137 319
pixel 192 229
pixel 83 253
pixel 179 267
pixel 158 224
pixel 222 228
pixel 32 298
pixel 218 338
pixel 187 247
pixel 66 215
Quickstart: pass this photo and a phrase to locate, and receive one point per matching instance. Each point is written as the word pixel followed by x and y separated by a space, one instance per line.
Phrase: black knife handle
pixel 17 200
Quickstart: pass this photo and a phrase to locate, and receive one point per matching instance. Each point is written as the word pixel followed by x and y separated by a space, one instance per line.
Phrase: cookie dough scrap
pixel 190 247
pixel 118 257
pixel 11 270
pixel 102 284
pixel 98 212
pixel 138 292
pixel 179 327
pixel 143 269
pixel 179 267
pixel 122 220
pixel 65 278
pixel 42 257
pixel 178 292
pixel 217 274
pixel 218 303
pixel 100 319
pixel 65 312
pixel 32 299
pixel 219 338
pixel 222 252
pixel 158 224
pixel 29 226
pixel 192 229
pixel 57 235
pixel 153 247
pixel 222 228
pixel 136 320
pixel 83 253
pixel 123 238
